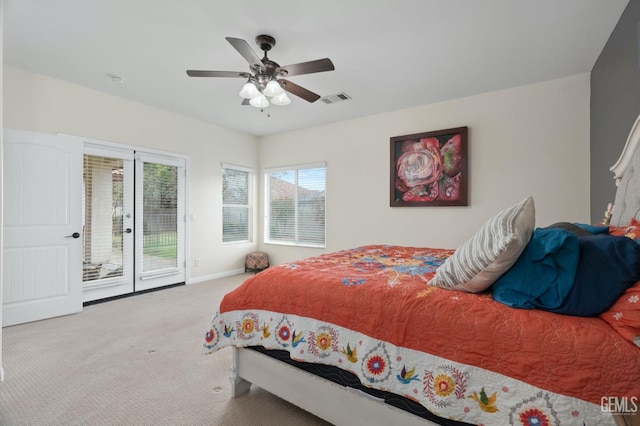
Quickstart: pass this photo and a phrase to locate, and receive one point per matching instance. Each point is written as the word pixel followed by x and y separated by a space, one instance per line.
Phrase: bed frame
pixel 627 201
pixel 346 406
pixel 336 404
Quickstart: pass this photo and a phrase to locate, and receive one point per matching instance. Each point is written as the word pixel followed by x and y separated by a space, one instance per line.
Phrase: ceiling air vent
pixel 332 99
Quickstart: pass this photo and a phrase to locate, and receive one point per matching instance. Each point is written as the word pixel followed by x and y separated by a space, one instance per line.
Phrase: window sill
pixel 284 243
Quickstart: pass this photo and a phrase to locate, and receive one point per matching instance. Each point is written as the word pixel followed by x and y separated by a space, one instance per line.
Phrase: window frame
pixel 267 205
pixel 248 206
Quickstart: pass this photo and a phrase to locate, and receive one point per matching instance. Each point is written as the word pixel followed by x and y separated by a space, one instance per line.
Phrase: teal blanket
pixel 544 274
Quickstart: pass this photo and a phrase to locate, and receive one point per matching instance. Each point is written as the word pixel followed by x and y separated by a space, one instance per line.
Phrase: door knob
pixel 74 235
pixel 128 230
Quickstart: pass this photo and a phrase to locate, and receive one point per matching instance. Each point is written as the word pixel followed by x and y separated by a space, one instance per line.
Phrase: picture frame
pixel 430 169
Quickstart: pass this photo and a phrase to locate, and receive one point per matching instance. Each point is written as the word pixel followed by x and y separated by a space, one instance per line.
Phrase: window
pixel 295 205
pixel 236 204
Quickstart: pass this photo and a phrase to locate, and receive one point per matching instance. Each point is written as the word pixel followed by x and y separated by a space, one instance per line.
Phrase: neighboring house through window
pixel 236 204
pixel 295 205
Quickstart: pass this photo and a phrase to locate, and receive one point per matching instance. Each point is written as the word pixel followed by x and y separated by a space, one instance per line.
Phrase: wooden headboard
pixel 626 172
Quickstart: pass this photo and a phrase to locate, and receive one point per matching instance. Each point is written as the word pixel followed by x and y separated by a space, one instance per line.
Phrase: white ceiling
pixel 388 54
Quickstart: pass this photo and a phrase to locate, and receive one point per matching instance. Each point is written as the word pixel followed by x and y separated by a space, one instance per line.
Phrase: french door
pixel 107 205
pixel 133 221
pixel 160 218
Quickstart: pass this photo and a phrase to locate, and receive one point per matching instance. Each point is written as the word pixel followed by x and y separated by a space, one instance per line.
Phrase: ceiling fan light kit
pixel 258 94
pixel 249 90
pixel 281 99
pixel 259 101
pixel 272 89
pixel 265 84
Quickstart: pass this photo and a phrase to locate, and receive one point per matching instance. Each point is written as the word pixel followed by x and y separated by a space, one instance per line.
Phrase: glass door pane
pixel 103 199
pixel 107 196
pixel 160 217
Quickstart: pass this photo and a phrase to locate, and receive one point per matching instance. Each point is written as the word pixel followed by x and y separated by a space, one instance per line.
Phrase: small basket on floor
pixel 256 261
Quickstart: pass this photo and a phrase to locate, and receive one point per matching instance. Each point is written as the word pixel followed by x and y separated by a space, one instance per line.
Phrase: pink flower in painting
pixel 421 164
pixel 427 171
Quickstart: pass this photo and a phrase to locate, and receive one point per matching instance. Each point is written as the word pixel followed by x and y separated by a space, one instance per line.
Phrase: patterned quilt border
pixel 448 389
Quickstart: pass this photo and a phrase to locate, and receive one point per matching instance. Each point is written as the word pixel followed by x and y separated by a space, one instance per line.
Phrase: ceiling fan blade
pixel 319 65
pixel 299 91
pixel 247 52
pixel 199 73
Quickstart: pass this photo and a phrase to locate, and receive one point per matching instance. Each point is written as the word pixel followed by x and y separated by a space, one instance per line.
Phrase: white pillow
pixel 477 263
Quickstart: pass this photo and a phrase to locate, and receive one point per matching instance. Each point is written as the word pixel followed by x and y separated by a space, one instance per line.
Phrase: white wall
pixel 531 140
pixel 42 104
pixel 1 183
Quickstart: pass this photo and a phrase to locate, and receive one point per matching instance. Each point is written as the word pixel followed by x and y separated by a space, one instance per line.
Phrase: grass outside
pixel 165 252
pixel 161 245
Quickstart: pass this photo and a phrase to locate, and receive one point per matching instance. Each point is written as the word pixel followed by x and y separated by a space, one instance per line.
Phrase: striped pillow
pixel 478 262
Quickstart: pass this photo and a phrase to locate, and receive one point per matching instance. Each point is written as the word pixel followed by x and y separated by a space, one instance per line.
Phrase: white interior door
pixel 160 221
pixel 108 220
pixel 42 268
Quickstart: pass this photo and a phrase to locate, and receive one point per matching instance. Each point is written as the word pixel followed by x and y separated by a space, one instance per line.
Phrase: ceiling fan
pixel 265 81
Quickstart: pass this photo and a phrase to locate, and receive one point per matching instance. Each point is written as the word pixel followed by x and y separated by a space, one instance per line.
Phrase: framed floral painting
pixel 430 169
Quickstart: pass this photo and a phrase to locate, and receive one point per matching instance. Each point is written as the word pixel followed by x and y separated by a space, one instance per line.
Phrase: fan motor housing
pixel 265 42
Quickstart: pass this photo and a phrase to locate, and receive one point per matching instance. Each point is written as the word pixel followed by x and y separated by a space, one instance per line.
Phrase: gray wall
pixel 615 104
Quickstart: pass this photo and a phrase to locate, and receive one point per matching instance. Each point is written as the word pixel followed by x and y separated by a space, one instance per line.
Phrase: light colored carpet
pixel 132 361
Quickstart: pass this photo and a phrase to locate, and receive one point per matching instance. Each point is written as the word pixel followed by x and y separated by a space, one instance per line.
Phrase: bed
pixel 385 334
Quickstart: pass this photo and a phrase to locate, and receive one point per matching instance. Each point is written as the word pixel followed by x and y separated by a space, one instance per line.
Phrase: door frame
pixel 137 149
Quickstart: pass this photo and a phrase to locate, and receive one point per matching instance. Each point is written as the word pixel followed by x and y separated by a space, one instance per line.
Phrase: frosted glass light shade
pixel 249 90
pixel 272 89
pixel 281 99
pixel 259 101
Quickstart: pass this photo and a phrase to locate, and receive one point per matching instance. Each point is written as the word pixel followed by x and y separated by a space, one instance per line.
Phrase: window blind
pixel 295 205
pixel 103 194
pixel 236 204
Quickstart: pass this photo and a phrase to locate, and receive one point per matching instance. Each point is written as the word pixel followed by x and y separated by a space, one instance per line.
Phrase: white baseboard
pixel 194 280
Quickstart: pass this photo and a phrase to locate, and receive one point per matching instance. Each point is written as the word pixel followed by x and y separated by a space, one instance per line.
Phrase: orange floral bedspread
pixel 370 311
